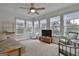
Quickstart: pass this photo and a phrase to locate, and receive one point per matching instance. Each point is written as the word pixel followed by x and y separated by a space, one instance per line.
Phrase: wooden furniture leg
pixel 19 51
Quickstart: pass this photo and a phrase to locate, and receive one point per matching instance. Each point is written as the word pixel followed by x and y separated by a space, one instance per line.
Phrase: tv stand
pixel 46 39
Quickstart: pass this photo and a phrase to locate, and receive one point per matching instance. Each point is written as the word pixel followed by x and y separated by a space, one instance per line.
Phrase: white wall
pixel 10 16
pixel 7 16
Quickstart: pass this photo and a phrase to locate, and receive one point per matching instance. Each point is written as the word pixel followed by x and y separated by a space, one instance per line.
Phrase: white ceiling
pixel 49 7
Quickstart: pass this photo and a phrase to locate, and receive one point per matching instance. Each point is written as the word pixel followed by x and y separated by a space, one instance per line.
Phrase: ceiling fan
pixel 33 9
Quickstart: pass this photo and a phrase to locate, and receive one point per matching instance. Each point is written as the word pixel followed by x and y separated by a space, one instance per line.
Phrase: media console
pixel 46 36
pixel 46 39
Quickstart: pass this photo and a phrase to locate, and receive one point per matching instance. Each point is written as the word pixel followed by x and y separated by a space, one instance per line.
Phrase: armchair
pixel 66 47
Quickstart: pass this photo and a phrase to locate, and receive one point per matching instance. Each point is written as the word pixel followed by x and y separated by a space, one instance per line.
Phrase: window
pixel 71 22
pixel 19 27
pixel 29 26
pixel 55 25
pixel 24 28
pixel 36 27
pixel 43 24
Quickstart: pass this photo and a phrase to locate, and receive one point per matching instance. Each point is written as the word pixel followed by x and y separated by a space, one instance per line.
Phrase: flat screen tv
pixel 47 33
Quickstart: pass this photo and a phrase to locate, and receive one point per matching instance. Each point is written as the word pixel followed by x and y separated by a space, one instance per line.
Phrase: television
pixel 47 33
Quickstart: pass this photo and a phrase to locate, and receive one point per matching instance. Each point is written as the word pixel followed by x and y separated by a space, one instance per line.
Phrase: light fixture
pixel 33 10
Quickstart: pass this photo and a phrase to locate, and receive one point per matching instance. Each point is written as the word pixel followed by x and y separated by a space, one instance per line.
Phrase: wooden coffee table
pixel 7 51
